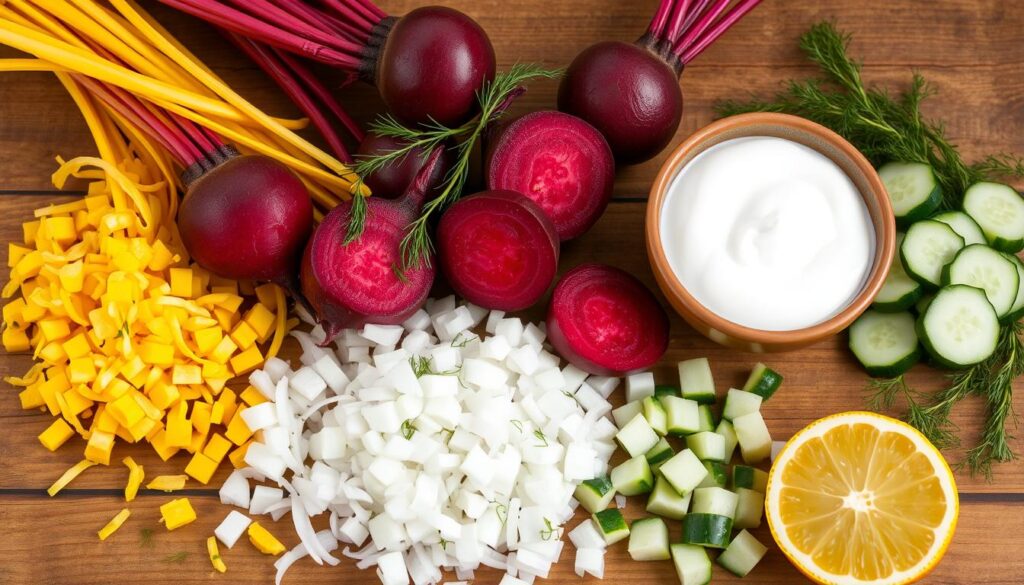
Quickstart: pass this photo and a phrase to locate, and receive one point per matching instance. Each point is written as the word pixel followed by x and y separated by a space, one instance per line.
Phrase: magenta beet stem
pixel 270 11
pixel 682 9
pixel 320 91
pixel 719 28
pixel 692 16
pixel 314 17
pixel 702 23
pixel 657 26
pixel 355 12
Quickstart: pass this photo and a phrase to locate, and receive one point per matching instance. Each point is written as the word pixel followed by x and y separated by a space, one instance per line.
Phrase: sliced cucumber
pixel 738 403
pixel 710 530
pixel 913 190
pixel 960 328
pixel 718 475
pixel 885 343
pixel 637 437
pixel 751 478
pixel 633 477
pixel 763 381
pixel 715 500
pixel 707 445
pixel 742 554
pixel 753 437
pixel 693 566
pixel 749 508
pixel 655 415
pixel 899 292
pixel 626 412
pixel 1017 310
pixel 988 269
pixel 684 471
pixel 663 390
pixel 696 381
pixel 666 502
pixel 705 418
pixel 659 454
pixel 648 540
pixel 595 494
pixel 921 305
pixel 926 249
pixel 999 210
pixel 964 225
pixel 728 433
pixel 682 415
pixel 611 525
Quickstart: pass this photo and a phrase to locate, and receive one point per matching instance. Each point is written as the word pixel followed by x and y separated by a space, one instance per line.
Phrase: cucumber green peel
pixel 886 126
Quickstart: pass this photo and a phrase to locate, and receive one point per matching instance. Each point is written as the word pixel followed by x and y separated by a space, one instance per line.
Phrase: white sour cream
pixel 768 233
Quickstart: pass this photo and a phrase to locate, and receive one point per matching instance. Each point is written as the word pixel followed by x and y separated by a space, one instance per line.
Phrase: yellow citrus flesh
pixel 860 498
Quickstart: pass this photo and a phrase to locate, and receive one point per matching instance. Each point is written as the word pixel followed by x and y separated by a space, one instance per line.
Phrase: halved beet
pixel 561 163
pixel 498 249
pixel 606 322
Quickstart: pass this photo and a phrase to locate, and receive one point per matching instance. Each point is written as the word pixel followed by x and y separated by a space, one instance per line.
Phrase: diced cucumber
pixel 659 454
pixel 707 445
pixel 696 381
pixel 749 508
pixel 964 225
pixel 662 390
pixel 666 502
pixel 763 381
pixel 926 249
pixel 753 437
pixel 637 437
pixel 705 418
pixel 693 566
pixel 999 211
pixel 718 474
pixel 725 429
pixel 738 403
pixel 885 343
pixel 595 494
pixel 710 530
pixel 626 412
pixel 715 500
pixel 988 269
pixel 751 478
pixel 648 540
pixel 1017 311
pixel 682 415
pixel 633 477
pixel 960 328
pixel 655 415
pixel 899 292
pixel 913 190
pixel 611 525
pixel 639 386
pixel 684 471
pixel 742 554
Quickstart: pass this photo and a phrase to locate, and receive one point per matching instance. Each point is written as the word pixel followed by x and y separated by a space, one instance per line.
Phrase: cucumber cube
pixel 696 381
pixel 661 453
pixel 648 540
pixel 655 415
pixel 718 474
pixel 742 554
pixel 738 403
pixel 663 390
pixel 715 500
pixel 682 415
pixel 693 566
pixel 749 508
pixel 684 471
pixel 705 418
pixel 763 381
pixel 710 530
pixel 639 386
pixel 637 437
pixel 666 502
pixel 611 525
pixel 744 476
pixel 753 437
pixel 633 477
pixel 595 494
pixel 626 412
pixel 707 446
pixel 725 429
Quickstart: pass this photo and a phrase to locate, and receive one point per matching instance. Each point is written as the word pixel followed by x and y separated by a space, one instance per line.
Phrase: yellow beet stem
pixel 136 474
pixel 113 173
pixel 280 329
pixel 167 483
pixel 214 552
pixel 28 65
pixel 69 476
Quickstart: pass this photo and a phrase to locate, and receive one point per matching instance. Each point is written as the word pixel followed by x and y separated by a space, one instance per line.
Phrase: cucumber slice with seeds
pixel 655 415
pixel 666 502
pixel 595 494
pixel 682 415
pixel 715 500
pixel 633 477
pixel 960 328
pixel 985 268
pixel 999 211
pixel 749 508
pixel 693 566
pixel 738 403
pixel 763 381
pixel 710 530
pixel 742 554
pixel 659 454
pixel 913 190
pixel 964 225
pixel 648 540
pixel 926 249
pixel 728 433
pixel 611 525
pixel 707 446
pixel 696 381
pixel 899 292
pixel 752 478
pixel 885 343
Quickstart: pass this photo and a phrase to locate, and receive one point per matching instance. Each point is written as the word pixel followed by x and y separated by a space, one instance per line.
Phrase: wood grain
pixel 969 49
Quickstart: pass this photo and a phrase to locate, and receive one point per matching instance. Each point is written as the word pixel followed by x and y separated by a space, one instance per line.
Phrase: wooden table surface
pixel 970 49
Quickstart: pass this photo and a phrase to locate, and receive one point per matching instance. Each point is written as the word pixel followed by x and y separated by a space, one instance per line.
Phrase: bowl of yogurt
pixel 768 232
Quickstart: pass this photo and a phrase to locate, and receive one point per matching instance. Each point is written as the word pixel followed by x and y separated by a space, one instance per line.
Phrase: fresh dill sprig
pixel 494 98
pixel 409 428
pixel 541 438
pixel 887 127
pixel 420 365
pixel 146 537
pixel 178 557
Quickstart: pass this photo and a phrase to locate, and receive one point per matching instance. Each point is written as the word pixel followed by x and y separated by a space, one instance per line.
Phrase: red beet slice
pixel 559 161
pixel 498 249
pixel 606 322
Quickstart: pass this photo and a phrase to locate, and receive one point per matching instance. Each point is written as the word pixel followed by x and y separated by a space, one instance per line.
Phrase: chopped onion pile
pixel 428 447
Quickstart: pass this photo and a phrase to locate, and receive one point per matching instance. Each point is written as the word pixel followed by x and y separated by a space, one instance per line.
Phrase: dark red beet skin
pixel 605 321
pixel 560 162
pixel 434 61
pixel 393 180
pixel 247 218
pixel 628 93
pixel 498 249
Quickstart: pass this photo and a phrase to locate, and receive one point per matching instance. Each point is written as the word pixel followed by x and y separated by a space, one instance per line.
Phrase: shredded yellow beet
pixel 115 523
pixel 167 483
pixel 69 476
pixel 136 474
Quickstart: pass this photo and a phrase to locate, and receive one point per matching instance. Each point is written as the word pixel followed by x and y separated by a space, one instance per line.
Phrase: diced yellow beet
pixel 201 468
pixel 177 513
pixel 243 335
pixel 56 434
pixel 238 432
pixel 217 447
pixel 99 447
pixel 264 541
pixel 181 282
pixel 167 483
pixel 237 456
pixel 187 374
pixel 247 361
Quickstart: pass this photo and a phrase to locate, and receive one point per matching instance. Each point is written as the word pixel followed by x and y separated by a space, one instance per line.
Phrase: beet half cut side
pixel 606 322
pixel 498 249
pixel 560 162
